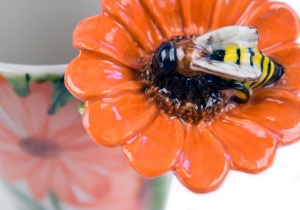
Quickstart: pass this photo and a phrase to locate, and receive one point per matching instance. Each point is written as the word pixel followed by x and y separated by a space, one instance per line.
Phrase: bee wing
pixel 243 36
pixel 226 70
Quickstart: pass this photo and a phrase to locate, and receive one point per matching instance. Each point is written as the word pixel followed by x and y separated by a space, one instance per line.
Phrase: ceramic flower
pixel 116 48
pixel 54 153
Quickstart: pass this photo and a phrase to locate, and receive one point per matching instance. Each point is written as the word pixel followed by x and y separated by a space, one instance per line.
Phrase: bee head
pixel 164 59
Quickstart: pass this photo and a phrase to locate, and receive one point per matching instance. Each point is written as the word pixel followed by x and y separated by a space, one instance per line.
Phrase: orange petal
pixel 89 78
pixel 277 110
pixel 112 122
pixel 275 21
pixel 167 16
pixel 228 12
pixel 196 15
pixel 103 35
pixel 251 147
pixel 288 55
pixel 132 15
pixel 203 165
pixel 157 149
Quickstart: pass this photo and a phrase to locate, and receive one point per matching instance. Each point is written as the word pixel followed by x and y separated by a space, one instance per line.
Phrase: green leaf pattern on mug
pixel 20 84
pixel 22 201
pixel 60 96
pixel 54 201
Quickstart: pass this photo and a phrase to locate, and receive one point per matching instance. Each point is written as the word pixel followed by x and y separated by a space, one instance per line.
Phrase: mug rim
pixel 7 68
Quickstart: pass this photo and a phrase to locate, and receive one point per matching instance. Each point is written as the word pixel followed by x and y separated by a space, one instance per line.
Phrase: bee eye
pixel 165 58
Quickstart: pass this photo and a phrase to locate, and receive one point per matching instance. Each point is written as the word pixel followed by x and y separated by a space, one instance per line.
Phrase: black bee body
pixel 194 89
pixel 191 77
pixel 224 59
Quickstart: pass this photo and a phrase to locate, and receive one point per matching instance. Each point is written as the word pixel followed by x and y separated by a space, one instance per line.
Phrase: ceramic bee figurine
pixel 223 59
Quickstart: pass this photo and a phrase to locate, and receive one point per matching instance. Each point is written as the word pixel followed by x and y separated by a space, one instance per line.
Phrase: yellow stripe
pixel 271 72
pixel 257 60
pixel 239 94
pixel 245 56
pixel 242 95
pixel 264 74
pixel 247 83
pixel 232 57
pixel 230 54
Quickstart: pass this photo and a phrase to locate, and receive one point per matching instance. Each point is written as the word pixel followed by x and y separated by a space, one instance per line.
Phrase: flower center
pixel 41 148
pixel 177 92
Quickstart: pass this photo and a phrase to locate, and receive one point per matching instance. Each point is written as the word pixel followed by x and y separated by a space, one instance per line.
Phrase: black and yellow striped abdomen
pixel 270 71
pixel 267 67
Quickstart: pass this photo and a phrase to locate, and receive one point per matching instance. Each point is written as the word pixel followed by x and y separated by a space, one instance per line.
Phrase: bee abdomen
pixel 277 74
pixel 270 72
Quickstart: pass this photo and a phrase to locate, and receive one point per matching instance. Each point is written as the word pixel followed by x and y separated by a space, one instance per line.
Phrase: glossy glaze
pixel 129 113
pixel 243 137
pixel 274 21
pixel 212 165
pixel 270 105
pixel 288 54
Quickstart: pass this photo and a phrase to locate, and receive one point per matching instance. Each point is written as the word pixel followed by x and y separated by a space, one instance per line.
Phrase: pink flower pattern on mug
pixel 54 153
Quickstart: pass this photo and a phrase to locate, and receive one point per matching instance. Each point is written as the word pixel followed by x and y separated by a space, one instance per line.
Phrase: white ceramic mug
pixel 47 161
